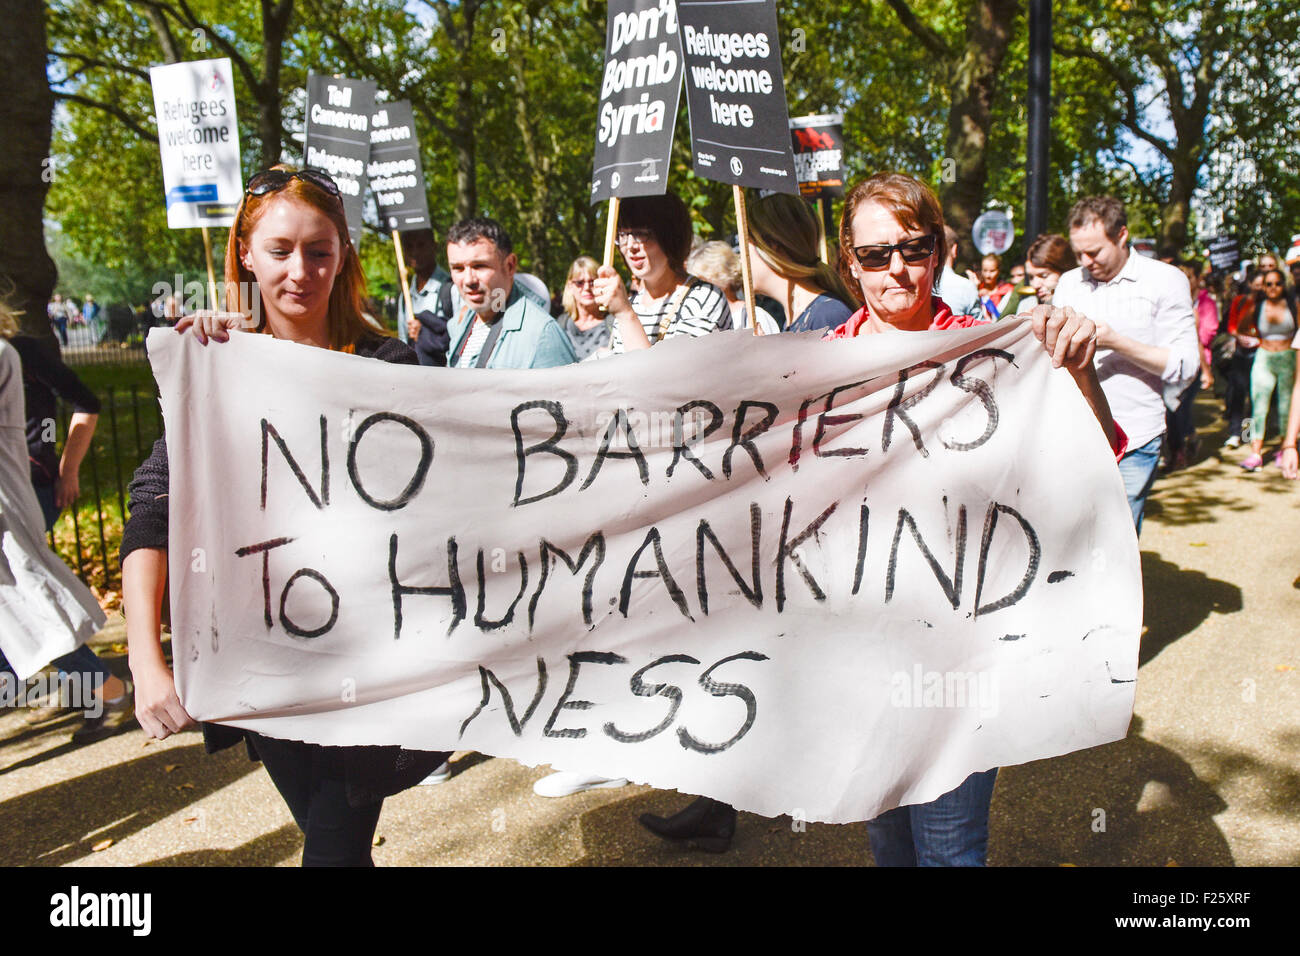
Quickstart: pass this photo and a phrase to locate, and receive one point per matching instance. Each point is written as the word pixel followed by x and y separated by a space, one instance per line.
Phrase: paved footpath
pixel 1209 773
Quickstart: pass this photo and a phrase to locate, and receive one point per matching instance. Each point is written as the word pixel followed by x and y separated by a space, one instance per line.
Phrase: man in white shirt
pixel 1146 332
pixel 956 291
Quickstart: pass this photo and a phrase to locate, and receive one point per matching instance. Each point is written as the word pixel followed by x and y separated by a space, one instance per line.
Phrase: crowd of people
pixel 1139 337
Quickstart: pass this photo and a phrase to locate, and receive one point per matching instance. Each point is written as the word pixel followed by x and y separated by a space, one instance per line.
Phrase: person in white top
pixel 1146 332
pixel 956 291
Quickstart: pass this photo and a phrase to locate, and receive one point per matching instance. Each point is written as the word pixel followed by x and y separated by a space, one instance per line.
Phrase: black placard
pixel 639 91
pixel 736 93
pixel 395 170
pixel 1225 254
pixel 818 143
pixel 337 138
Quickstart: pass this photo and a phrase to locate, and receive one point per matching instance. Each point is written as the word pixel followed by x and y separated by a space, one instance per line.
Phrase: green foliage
pixel 1206 93
pixel 505 95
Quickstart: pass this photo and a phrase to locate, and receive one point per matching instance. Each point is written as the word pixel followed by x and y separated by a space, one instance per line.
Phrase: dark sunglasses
pixel 912 250
pixel 272 180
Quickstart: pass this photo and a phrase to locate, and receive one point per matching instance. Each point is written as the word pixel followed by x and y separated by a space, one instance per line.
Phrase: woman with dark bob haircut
pixel 654 238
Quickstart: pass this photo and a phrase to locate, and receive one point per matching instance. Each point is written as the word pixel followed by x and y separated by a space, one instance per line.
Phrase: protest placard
pixel 198 138
pixel 878 564
pixel 337 138
pixel 395 170
pixel 639 91
pixel 1225 253
pixel 818 143
pixel 735 92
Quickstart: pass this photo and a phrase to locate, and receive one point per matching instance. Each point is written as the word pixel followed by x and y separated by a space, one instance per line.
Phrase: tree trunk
pixel 464 145
pixel 535 213
pixel 973 80
pixel 465 141
pixel 27 273
pixel 275 24
pixel 1174 215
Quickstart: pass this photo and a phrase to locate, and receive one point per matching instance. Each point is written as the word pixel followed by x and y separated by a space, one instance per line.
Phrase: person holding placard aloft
pixel 654 238
pixel 289 247
pixel 786 241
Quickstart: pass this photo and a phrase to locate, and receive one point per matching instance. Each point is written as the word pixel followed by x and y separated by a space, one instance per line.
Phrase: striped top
pixel 702 310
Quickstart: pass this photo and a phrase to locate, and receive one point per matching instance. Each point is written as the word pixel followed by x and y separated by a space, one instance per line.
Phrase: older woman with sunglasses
pixel 289 261
pixel 583 322
pixel 891 242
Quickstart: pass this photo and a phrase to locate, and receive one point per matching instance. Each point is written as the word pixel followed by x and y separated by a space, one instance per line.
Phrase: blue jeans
pixel 951 830
pixel 1138 469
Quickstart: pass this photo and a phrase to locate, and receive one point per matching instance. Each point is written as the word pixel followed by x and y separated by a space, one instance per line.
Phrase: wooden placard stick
pixel 212 278
pixel 401 272
pixel 747 278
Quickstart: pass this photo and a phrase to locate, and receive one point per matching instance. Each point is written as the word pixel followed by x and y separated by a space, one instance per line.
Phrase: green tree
pixel 969 58
pixel 26 271
pixel 1222 75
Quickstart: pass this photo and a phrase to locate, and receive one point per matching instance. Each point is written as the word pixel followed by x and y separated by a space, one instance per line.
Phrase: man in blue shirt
pixel 497 325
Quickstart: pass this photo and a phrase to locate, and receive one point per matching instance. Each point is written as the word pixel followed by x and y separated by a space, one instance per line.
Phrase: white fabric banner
pixel 775 570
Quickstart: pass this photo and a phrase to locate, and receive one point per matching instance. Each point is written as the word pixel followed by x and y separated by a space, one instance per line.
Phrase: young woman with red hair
pixel 291 272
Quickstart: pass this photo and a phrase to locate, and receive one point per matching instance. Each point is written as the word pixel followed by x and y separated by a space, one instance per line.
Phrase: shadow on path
pixel 1177 601
pixel 1130 803
pixel 60 823
pixel 265 850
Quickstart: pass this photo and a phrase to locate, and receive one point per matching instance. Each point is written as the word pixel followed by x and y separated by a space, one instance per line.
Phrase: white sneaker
pixel 1234 441
pixel 441 775
pixel 563 783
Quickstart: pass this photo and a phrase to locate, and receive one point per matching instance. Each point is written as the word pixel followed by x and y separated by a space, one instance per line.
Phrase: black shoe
pixel 705 823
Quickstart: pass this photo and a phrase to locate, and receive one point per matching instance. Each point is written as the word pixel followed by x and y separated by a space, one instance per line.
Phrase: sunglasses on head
pixel 272 180
pixel 912 250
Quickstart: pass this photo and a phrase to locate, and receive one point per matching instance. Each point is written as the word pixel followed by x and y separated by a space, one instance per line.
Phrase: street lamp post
pixel 1040 88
